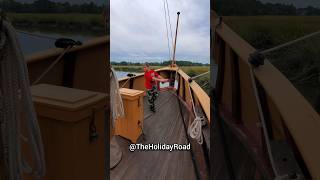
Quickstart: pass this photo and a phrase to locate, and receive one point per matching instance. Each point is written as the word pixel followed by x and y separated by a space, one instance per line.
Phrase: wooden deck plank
pixel 164 126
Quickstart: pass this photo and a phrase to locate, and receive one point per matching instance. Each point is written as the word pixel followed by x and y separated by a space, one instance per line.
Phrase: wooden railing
pixel 288 114
pixel 83 67
pixel 188 93
pixel 200 96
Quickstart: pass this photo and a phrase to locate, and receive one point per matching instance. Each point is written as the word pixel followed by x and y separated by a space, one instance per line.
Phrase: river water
pixel 31 44
pixel 121 74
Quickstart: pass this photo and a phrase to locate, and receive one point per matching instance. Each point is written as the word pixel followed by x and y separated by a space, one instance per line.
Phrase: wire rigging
pixel 37 35
pixel 290 42
pixel 169 22
pixel 165 16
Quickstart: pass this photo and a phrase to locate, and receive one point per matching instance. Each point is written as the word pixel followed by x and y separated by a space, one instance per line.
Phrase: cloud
pixel 138 30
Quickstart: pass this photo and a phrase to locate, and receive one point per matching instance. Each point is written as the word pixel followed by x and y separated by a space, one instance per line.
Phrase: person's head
pixel 146 67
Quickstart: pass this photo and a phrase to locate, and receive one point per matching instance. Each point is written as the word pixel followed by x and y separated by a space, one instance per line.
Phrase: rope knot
pixel 195 129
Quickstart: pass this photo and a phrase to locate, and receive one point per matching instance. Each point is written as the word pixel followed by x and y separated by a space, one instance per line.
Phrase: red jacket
pixel 148 78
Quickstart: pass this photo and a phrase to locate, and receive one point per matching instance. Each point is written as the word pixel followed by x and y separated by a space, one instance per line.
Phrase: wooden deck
pixel 164 126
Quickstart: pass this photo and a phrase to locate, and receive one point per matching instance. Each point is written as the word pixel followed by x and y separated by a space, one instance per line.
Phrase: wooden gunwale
pixel 45 57
pixel 55 52
pixel 302 121
pixel 198 92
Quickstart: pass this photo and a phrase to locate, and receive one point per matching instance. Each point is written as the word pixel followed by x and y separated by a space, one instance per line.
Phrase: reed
pixel 58 21
pixel 267 31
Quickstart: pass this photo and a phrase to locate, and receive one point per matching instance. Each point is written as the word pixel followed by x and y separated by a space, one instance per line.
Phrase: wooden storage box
pixel 130 126
pixel 65 117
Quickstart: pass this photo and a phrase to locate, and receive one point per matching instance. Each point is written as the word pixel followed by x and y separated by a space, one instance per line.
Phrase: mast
pixel 175 42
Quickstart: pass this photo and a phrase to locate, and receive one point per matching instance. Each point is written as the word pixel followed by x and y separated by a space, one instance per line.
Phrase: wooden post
pixel 175 42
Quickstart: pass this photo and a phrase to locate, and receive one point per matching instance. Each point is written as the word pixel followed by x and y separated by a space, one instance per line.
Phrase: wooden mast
pixel 175 42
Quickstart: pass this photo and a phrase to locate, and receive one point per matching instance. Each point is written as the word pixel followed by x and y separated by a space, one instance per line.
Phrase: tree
pixel 47 6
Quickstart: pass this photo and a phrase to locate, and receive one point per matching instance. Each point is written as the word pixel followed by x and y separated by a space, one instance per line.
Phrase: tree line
pixel 255 7
pixel 164 63
pixel 47 6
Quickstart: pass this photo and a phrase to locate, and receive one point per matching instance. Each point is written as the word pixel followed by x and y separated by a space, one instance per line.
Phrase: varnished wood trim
pixel 298 115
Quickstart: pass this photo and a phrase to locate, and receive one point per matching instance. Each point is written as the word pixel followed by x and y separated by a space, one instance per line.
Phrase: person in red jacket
pixel 152 79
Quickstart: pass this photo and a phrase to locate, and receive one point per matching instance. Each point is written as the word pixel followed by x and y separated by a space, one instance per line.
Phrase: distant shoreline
pixel 189 70
pixel 58 22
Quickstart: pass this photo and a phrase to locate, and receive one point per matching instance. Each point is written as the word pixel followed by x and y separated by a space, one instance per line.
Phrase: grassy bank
pixel 190 70
pixel 299 62
pixel 72 21
pixel 267 31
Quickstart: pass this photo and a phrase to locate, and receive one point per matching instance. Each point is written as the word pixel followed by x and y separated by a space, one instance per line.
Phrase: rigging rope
pixel 256 59
pixel 125 83
pixel 197 76
pixel 52 65
pixel 169 22
pixel 290 42
pixel 186 134
pixel 261 116
pixel 165 16
pixel 37 35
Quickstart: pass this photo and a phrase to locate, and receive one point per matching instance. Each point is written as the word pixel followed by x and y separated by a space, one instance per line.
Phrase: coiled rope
pixel 17 105
pixel 195 128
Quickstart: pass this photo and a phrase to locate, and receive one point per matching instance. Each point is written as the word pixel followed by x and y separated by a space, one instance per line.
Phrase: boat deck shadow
pixel 164 126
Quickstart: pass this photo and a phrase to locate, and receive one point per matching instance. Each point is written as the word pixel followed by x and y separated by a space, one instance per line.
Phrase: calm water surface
pixel 31 44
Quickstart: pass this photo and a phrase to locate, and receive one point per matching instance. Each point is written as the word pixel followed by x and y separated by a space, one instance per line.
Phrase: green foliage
pixel 204 80
pixel 255 7
pixel 264 32
pixel 192 71
pixel 47 6
pixel 164 63
pixel 92 23
pixel 299 62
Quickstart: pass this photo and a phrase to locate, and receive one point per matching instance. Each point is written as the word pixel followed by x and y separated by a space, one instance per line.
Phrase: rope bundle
pixel 195 129
pixel 116 103
pixel 17 111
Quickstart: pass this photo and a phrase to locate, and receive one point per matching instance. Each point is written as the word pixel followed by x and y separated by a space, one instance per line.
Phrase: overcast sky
pixel 138 30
